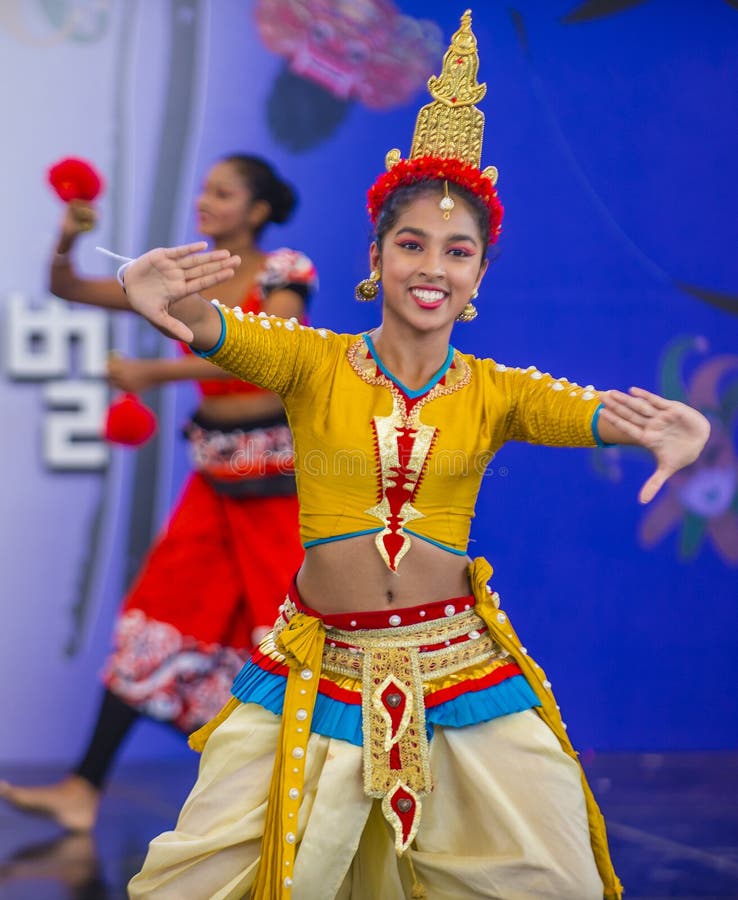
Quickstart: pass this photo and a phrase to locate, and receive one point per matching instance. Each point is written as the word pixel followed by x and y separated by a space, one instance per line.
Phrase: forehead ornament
pixel 447 203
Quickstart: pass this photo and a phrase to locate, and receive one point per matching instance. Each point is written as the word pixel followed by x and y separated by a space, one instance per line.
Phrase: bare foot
pixel 71 802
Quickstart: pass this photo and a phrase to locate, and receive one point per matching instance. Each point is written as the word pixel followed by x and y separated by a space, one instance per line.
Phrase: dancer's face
pixel 225 206
pixel 430 266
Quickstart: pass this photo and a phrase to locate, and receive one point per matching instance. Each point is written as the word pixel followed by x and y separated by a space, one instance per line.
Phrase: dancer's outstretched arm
pixel 64 279
pixel 163 286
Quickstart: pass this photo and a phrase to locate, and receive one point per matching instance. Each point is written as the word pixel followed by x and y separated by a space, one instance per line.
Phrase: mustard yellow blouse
pixel 373 456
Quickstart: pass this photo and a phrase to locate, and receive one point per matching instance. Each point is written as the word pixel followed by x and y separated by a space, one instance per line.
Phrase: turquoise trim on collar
pixel 413 395
pixel 595 428
pixel 435 543
pixel 340 537
pixel 213 350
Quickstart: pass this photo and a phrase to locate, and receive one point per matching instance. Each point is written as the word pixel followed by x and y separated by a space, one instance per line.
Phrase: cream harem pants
pixel 506 820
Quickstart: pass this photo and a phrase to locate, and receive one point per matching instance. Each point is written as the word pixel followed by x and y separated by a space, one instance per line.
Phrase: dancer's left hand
pixel 132 375
pixel 674 432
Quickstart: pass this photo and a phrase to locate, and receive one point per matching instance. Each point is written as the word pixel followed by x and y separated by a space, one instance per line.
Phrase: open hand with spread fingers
pixel 163 287
pixel 674 432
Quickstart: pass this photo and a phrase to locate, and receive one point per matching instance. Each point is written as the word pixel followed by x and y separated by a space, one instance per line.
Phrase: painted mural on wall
pixel 700 503
pixel 336 53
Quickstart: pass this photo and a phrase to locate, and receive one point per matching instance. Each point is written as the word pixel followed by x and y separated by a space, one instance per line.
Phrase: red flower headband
pixel 436 168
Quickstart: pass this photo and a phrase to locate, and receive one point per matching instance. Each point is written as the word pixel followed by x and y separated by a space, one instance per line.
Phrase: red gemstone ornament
pixel 402 808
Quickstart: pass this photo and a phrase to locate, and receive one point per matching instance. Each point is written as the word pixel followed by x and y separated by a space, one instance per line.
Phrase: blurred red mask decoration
pixel 356 49
pixel 129 421
pixel 75 179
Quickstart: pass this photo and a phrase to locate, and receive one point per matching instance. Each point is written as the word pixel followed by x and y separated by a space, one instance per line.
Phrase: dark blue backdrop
pixel 616 141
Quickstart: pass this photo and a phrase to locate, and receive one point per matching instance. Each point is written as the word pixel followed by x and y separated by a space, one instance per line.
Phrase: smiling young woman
pixel 392 737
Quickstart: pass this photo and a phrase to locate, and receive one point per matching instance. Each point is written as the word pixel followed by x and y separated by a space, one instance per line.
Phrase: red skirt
pixel 216 574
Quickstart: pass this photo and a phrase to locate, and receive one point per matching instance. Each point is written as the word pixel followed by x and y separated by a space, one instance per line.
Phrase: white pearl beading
pixel 559 384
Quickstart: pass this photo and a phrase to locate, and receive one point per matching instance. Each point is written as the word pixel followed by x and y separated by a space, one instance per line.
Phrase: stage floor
pixel 673 824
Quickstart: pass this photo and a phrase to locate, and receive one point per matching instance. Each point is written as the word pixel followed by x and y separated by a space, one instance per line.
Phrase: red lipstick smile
pixel 428 296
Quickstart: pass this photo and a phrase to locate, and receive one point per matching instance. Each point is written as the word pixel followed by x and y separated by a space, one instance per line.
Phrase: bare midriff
pixel 231 409
pixel 350 576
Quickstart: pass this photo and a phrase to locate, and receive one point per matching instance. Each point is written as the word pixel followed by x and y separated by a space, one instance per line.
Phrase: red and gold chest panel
pixel 403 445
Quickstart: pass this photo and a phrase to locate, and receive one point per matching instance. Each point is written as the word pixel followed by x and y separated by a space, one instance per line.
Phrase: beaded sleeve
pixel 277 354
pixel 542 409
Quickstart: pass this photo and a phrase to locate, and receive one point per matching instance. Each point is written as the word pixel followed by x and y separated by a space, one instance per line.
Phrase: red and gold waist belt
pixel 416 654
pixel 384 680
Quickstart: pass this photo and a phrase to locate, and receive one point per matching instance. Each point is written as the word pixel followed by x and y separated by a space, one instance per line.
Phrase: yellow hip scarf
pixel 301 642
pixel 501 630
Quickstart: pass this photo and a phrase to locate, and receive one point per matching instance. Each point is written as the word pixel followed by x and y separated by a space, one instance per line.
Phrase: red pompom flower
pixel 75 179
pixel 129 421
pixel 437 168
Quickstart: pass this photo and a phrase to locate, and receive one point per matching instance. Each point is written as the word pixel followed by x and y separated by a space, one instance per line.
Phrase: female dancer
pixel 393 706
pixel 177 649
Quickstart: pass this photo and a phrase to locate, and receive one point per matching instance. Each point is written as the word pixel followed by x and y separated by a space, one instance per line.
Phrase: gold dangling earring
pixel 469 312
pixel 368 288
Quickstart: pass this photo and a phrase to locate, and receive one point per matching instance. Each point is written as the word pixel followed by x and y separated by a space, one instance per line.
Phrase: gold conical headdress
pixel 447 142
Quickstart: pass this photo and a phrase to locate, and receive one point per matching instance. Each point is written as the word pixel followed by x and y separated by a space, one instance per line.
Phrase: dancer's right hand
pixel 163 286
pixel 78 216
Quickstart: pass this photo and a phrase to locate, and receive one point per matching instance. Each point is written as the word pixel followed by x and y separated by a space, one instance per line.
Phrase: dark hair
pixel 301 113
pixel 402 197
pixel 264 184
